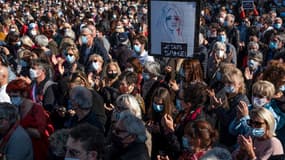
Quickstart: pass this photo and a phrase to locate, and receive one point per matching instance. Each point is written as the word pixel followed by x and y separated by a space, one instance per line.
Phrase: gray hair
pixel 69 33
pixel 41 40
pixel 134 126
pixel 81 96
pixel 219 45
pixel 252 43
pixel 130 102
pixel 86 29
pixel 9 112
pixel 57 142
pixel 152 67
pixel 217 153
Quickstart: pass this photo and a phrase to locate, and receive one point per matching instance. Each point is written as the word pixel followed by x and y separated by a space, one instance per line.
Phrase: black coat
pixel 135 151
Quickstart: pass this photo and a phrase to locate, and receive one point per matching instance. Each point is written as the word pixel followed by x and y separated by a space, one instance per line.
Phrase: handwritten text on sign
pixel 174 49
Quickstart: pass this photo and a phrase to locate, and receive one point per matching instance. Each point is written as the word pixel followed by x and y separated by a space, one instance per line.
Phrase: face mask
pixel 71 159
pixel 222 39
pixel 137 48
pixel 282 88
pixel 258 132
pixel 219 76
pixel 112 75
pixel 84 39
pixel 185 143
pixel 23 63
pixel 220 53
pixel 70 59
pixel 258 102
pixel 95 66
pixel 16 100
pixel 157 108
pixel 18 43
pixel 277 25
pixel 33 32
pixel 273 45
pixel 252 64
pixel 230 89
pixel 146 76
pixel 33 73
pixel 221 20
pixel 130 69
pixel 226 23
pixel 178 105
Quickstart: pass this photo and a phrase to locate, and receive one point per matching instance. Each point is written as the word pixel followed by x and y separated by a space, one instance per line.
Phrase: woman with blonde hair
pixel 226 102
pixel 261 144
pixel 111 73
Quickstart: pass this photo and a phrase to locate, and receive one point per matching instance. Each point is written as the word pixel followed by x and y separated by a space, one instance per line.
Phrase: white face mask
pixel 220 54
pixel 221 20
pixel 33 32
pixel 259 102
pixel 33 73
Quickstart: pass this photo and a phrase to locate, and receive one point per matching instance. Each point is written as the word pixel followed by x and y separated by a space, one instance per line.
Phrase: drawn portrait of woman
pixel 171 23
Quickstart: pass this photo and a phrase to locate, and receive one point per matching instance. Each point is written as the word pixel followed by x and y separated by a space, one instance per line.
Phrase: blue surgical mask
pixel 146 76
pixel 178 104
pixel 277 25
pixel 258 132
pixel 185 143
pixel 70 59
pixel 222 38
pixel 226 23
pixel 259 102
pixel 252 64
pixel 84 39
pixel 95 66
pixel 23 63
pixel 230 89
pixel 137 48
pixel 273 45
pixel 33 73
pixel 16 100
pixel 219 76
pixel 157 107
pixel 282 88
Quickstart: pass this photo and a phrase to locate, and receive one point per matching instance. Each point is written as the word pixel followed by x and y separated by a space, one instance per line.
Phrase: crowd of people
pixel 77 83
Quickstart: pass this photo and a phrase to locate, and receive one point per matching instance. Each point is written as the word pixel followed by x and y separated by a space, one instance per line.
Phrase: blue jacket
pixel 241 126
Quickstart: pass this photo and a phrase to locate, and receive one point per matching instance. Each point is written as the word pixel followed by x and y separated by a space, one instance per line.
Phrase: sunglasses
pixel 255 123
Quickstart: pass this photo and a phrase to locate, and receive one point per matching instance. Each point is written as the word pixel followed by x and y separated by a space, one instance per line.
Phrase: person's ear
pixel 131 87
pixel 92 155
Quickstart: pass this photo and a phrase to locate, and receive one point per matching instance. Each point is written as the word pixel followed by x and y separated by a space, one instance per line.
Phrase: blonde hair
pixel 74 51
pixel 263 88
pixel 108 65
pixel 235 75
pixel 267 116
pixel 96 56
pixel 27 41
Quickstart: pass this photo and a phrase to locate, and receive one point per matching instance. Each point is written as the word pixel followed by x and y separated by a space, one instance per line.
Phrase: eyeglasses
pixel 255 123
pixel 69 54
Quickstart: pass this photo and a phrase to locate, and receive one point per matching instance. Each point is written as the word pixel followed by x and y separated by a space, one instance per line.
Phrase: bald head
pixel 3 75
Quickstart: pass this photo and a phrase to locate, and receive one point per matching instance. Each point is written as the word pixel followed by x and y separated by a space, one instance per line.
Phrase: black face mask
pixel 112 75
